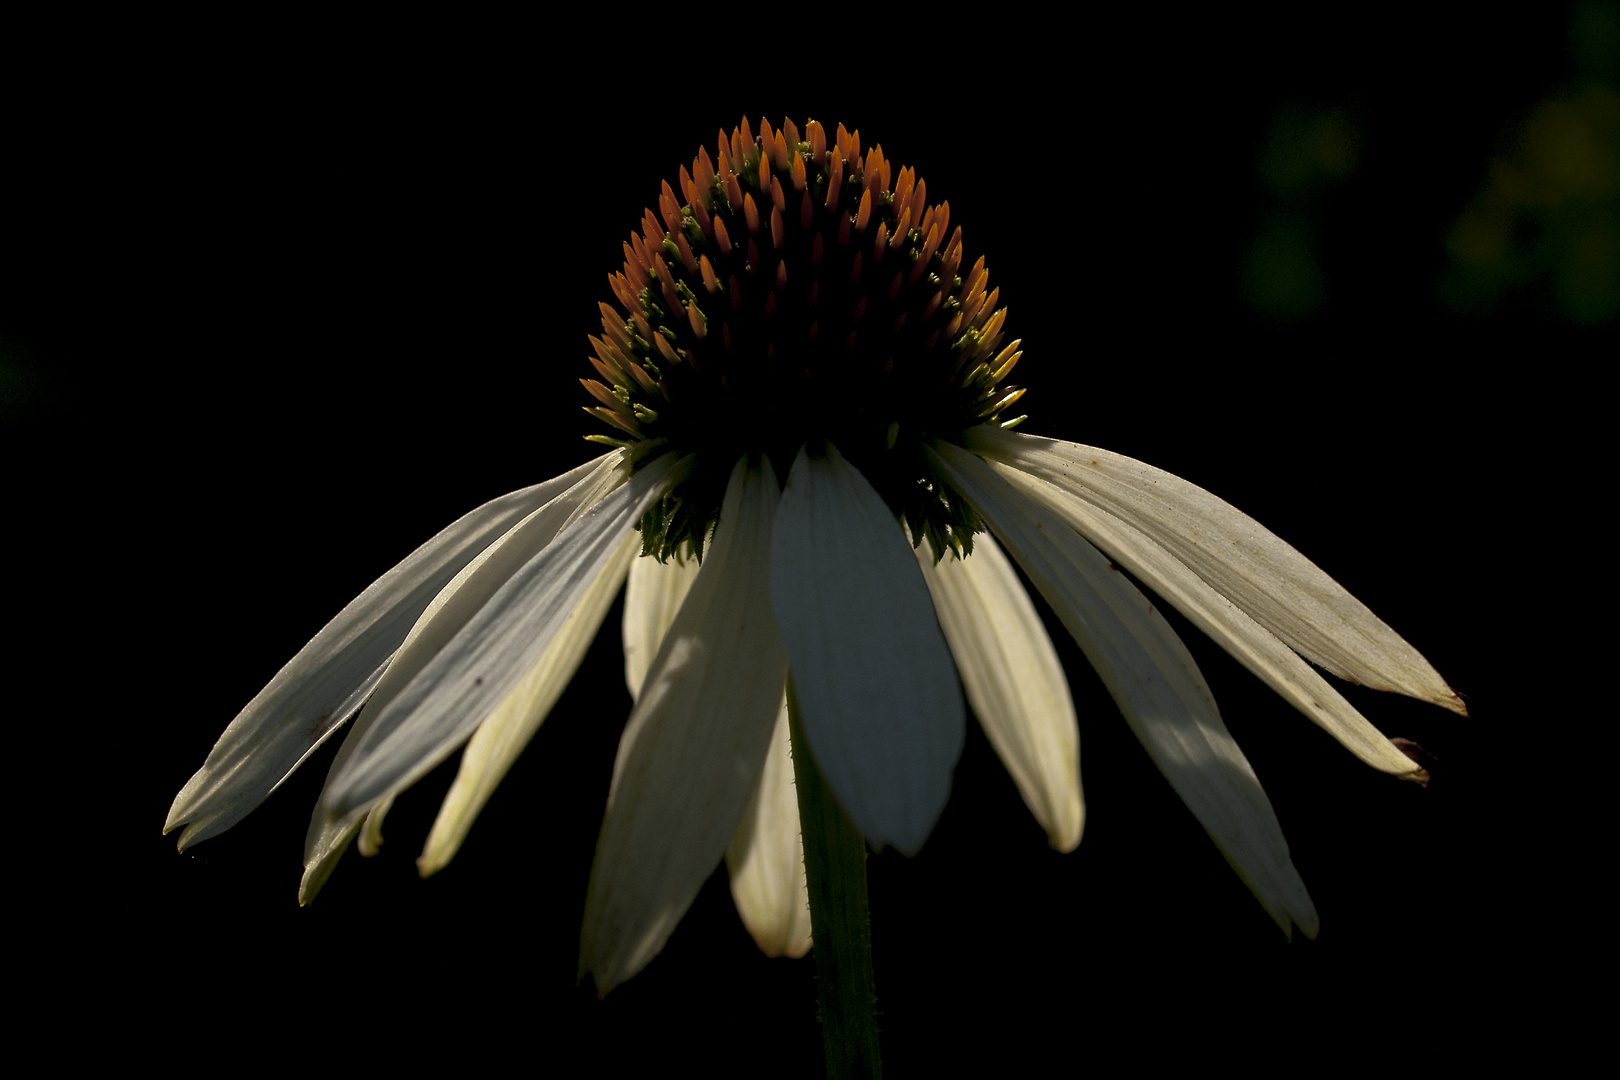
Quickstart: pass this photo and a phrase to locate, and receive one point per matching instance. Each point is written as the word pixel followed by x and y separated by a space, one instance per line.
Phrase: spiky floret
pixel 792 296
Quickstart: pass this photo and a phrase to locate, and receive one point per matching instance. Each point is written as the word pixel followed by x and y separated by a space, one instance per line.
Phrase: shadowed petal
pixel 1253 645
pixel 871 670
pixel 766 856
pixel 1014 681
pixel 474 671
pixel 1153 679
pixel 331 676
pixel 1277 586
pixel 695 744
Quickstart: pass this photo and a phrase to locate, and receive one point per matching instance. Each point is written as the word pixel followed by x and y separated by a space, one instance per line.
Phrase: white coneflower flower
pixel 806 382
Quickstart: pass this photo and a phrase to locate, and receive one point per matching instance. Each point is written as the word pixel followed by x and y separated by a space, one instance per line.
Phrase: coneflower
pixel 805 381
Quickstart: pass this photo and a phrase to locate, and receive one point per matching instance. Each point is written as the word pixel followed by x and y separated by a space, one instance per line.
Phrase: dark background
pixel 281 303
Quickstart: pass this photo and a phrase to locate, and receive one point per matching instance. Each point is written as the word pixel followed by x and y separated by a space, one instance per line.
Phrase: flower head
pixel 800 293
pixel 805 390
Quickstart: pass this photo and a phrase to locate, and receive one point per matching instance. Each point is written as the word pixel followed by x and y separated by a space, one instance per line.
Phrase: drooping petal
pixel 473 672
pixel 882 711
pixel 652 596
pixel 457 603
pixel 1014 681
pixel 1251 644
pixel 1153 679
pixel 499 740
pixel 1277 586
pixel 766 853
pixel 695 744
pixel 766 856
pixel 331 676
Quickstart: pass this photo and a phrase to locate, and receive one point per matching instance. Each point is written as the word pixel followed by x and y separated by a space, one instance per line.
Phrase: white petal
pixel 331 676
pixel 475 670
pixel 501 738
pixel 871 670
pixel 695 744
pixel 331 841
pixel 652 596
pixel 448 613
pixel 371 828
pixel 1013 679
pixel 1252 644
pixel 1153 679
pixel 766 856
pixel 1277 586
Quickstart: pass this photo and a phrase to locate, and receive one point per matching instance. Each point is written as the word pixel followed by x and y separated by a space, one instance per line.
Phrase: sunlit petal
pixel 871 669
pixel 695 745
pixel 501 738
pixel 371 827
pixel 652 596
pixel 1153 679
pixel 1252 644
pixel 448 614
pixel 473 672
pixel 766 853
pixel 331 676
pixel 766 856
pixel 1013 681
pixel 1277 586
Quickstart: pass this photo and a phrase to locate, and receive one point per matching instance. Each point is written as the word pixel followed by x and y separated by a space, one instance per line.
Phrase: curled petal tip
pixel 1420 757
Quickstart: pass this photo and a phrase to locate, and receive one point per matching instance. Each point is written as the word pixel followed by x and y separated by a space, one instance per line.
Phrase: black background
pixel 284 300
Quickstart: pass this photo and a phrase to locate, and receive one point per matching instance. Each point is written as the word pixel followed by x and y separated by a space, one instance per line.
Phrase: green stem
pixel 835 866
